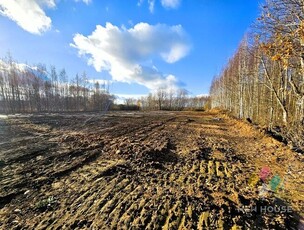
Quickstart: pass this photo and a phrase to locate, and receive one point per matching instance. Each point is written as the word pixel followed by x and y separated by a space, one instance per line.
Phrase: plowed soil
pixel 144 171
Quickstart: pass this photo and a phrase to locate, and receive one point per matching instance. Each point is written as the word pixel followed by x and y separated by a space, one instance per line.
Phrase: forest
pixel 36 89
pixel 263 81
pixel 26 89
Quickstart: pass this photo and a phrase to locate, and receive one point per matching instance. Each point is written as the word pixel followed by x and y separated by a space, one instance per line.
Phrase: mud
pixel 144 171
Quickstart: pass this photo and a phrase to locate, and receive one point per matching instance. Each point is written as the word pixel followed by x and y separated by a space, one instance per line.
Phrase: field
pixel 156 170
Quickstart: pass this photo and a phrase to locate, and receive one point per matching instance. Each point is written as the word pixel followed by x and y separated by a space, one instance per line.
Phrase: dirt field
pixel 144 171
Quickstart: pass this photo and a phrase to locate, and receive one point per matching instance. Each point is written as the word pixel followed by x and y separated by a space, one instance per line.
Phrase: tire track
pixel 151 172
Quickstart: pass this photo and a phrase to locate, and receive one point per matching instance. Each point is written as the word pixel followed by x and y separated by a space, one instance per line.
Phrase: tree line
pixel 264 80
pixel 38 89
pixel 26 89
pixel 168 99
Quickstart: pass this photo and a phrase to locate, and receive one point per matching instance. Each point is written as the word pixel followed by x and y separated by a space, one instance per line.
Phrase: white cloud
pixel 151 5
pixel 168 4
pixel 48 3
pixel 21 67
pixel 134 96
pixel 85 1
pixel 171 3
pixel 28 14
pixel 100 81
pixel 120 98
pixel 140 2
pixel 203 95
pixel 127 54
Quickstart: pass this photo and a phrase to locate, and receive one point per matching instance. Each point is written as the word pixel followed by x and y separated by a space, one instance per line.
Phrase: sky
pixel 138 46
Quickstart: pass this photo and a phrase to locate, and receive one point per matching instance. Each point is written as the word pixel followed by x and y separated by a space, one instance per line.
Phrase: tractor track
pixel 140 171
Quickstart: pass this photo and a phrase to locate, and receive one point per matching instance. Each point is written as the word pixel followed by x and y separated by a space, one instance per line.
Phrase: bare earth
pixel 144 171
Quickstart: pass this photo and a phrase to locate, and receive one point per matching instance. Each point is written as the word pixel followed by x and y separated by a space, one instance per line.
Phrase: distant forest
pixel 35 89
pixel 264 80
pixel 27 89
pixel 170 99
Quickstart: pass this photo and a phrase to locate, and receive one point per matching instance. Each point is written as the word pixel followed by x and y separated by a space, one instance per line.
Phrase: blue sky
pixel 138 45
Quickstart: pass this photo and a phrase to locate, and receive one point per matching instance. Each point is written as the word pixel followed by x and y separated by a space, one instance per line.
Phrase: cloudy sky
pixel 137 45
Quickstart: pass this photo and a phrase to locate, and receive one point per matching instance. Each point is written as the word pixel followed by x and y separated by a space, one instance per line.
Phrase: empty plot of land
pixel 144 171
